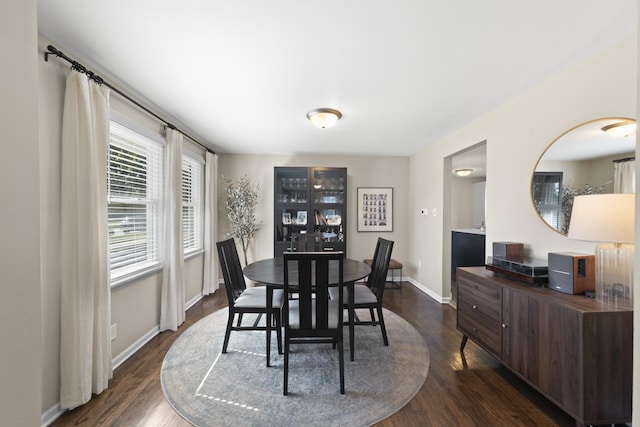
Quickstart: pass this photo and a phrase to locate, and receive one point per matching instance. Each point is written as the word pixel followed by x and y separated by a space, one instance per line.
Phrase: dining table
pixel 270 272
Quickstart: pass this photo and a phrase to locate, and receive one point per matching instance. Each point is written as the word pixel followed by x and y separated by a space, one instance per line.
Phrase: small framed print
pixel 286 218
pixel 375 209
pixel 301 218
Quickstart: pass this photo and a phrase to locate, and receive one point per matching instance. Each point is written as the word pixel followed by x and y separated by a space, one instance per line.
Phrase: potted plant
pixel 241 201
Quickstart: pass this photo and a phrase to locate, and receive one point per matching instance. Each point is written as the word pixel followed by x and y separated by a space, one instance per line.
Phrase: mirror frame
pixel 533 205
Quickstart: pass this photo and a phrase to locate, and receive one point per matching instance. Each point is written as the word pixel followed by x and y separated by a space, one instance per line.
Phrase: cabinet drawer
pixel 479 313
pixel 485 333
pixel 485 298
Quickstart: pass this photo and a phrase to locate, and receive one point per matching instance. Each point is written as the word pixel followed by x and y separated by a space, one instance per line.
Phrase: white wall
pixel 516 134
pixel 20 357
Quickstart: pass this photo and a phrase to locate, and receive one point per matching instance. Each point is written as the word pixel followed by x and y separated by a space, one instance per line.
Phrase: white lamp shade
pixel 603 218
pixel 324 117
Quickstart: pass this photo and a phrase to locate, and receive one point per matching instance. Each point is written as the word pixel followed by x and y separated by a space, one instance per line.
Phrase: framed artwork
pixel 301 218
pixel 286 218
pixel 375 209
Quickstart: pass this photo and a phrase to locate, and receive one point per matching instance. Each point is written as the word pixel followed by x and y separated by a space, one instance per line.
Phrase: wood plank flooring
pixel 474 391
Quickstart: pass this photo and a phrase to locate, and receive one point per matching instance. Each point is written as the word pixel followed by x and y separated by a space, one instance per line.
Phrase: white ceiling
pixel 588 141
pixel 242 74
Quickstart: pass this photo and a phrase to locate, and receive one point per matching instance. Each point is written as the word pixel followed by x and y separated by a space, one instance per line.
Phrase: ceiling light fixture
pixel 324 117
pixel 624 128
pixel 463 171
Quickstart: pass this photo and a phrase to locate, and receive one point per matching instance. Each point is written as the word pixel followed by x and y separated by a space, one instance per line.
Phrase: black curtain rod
pixel 75 65
pixel 626 159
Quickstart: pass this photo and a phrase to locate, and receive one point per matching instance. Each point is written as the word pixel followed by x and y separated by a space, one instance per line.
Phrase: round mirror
pixel 582 160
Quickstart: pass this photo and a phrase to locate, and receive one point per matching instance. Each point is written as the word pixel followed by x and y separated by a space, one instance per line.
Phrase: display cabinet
pixel 310 200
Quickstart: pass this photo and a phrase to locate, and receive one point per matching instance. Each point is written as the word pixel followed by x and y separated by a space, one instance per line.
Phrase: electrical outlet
pixel 434 212
pixel 419 263
pixel 424 212
pixel 114 331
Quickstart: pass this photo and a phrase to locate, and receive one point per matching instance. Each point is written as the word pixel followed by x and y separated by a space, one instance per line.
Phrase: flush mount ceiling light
pixel 624 128
pixel 463 172
pixel 324 117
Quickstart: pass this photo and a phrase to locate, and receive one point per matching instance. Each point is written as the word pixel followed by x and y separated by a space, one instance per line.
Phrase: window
pixel 134 191
pixel 192 176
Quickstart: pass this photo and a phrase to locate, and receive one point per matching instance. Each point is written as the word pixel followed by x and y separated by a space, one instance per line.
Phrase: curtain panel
pixel 85 306
pixel 172 302
pixel 211 279
pixel 624 177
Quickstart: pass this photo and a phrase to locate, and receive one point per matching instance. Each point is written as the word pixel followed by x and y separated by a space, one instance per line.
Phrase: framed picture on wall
pixel 375 209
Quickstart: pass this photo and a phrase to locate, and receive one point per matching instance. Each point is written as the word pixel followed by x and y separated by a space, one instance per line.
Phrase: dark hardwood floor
pixel 474 391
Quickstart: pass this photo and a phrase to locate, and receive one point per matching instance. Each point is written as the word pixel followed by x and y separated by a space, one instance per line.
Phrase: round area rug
pixel 208 388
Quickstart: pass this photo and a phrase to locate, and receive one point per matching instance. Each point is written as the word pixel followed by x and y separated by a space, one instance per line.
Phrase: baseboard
pixel 427 291
pixel 53 413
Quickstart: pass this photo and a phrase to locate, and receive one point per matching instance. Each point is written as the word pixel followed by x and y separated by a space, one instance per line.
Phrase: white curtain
pixel 624 177
pixel 85 300
pixel 173 293
pixel 211 279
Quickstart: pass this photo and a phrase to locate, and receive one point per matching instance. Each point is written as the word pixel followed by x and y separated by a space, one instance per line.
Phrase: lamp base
pixel 614 274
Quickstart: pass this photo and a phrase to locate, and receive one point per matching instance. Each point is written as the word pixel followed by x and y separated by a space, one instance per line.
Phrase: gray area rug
pixel 208 388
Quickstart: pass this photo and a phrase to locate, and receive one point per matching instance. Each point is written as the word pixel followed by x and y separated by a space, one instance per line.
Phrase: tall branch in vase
pixel 241 201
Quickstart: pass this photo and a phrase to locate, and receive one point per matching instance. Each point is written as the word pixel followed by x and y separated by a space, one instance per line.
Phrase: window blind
pixel 192 176
pixel 134 188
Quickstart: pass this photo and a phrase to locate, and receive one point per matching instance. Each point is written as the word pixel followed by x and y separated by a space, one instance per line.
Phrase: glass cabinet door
pixel 292 186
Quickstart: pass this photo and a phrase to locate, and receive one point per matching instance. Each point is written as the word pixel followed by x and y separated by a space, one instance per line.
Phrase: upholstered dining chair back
pixel 313 318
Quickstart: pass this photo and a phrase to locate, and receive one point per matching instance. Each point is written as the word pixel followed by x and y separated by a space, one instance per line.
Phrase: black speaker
pixel 571 273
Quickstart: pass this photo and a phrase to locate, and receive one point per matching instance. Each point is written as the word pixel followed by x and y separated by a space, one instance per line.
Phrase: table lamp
pixel 608 218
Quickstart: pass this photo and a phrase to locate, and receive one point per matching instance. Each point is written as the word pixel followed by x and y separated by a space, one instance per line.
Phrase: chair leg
pixel 239 319
pixel 285 379
pixel 341 358
pixel 277 315
pixel 268 325
pixel 373 318
pixel 382 327
pixel 228 331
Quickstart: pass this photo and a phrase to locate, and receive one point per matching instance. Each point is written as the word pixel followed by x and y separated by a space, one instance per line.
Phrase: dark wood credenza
pixel 576 351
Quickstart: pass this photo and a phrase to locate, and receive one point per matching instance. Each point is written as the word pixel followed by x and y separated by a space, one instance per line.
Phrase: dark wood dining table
pixel 270 272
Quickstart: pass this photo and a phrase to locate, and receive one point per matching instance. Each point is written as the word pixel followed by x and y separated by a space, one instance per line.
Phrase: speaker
pixel 571 273
pixel 508 250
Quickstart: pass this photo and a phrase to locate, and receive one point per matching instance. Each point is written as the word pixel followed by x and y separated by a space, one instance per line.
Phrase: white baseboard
pixel 427 291
pixel 53 413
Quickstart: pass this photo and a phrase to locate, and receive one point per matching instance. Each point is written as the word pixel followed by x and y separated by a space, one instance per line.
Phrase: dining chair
pixel 313 318
pixel 369 295
pixel 248 300
pixel 306 242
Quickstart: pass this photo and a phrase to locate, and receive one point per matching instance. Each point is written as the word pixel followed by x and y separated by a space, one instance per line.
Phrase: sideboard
pixel 576 351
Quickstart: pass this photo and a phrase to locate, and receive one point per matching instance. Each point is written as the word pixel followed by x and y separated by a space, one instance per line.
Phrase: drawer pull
pixel 475 307
pixel 504 326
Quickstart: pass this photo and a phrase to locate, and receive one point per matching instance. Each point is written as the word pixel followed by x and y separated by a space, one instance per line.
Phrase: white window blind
pixel 134 202
pixel 192 176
